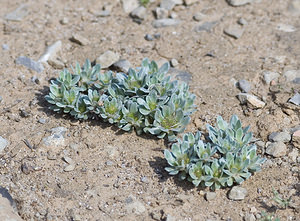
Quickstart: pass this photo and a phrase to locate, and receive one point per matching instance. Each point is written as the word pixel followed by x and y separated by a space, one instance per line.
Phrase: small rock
pixel 51 51
pixel 24 113
pixel 291 75
pixel 69 168
pixel 280 136
pixel 294 7
pixel 42 120
pixel 157 35
pixel 209 196
pixel 136 207
pixel 107 59
pixel 109 163
pixel 55 63
pixel 64 21
pixel 68 160
pixel 295 99
pixel 237 193
pixel 76 38
pixel 293 155
pixel 166 22
pixel 122 65
pixel 139 13
pixel 234 31
pixel 276 149
pixel 296 138
pixel 269 76
pixel 198 16
pixel 149 37
pixel 51 155
pixel 242 21
pixel 8 211
pixel 296 80
pixel 174 62
pixel 244 85
pixel 171 218
pixel 249 217
pixel 35 79
pixel 5 47
pixel 144 179
pixel 103 13
pixel 285 28
pixel 190 2
pixel 3 143
pixel 251 100
pixel 29 63
pixel 18 14
pixel 130 5
pixel 161 13
pixel 173 15
pixel 167 4
pixel 206 26
pixel 180 75
pixel 238 2
pixel 57 137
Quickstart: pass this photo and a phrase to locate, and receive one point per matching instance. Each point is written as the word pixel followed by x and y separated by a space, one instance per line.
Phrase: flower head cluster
pixel 226 159
pixel 144 99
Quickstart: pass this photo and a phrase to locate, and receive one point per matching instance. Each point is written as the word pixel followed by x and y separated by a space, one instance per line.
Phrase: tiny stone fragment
pixel 51 51
pixel 161 13
pixel 291 75
pixel 251 100
pixel 42 120
pixel 174 62
pixel 206 26
pixel 136 207
pixel 276 149
pixel 167 4
pixel 237 193
pixel 280 136
pixel 149 37
pixel 296 138
pixel 198 16
pixel 69 168
pixel 285 28
pixel 242 21
pixel 3 143
pixel 295 99
pixel 234 31
pixel 238 2
pixel 55 63
pixel 5 47
pixel 64 21
pixel 269 76
pixel 139 12
pixel 76 38
pixel 29 63
pixel 107 59
pixel 130 5
pixel 244 85
pixel 122 65
pixel 180 75
pixel 209 196
pixel 18 14
pixel 161 23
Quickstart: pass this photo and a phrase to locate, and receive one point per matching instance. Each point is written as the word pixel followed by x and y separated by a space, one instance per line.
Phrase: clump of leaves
pixel 145 99
pixel 226 158
pixel 282 202
pixel 144 3
pixel 268 217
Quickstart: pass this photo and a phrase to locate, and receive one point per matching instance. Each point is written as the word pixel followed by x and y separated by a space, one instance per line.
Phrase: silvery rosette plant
pixel 227 157
pixel 144 99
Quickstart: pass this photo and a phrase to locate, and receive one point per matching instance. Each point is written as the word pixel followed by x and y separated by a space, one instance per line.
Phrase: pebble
pixel 51 51
pixel 122 65
pixel 269 76
pixel 296 138
pixel 149 37
pixel 242 21
pixel 291 75
pixel 296 81
pixel 139 13
pixel 55 63
pixel 69 168
pixel 190 2
pixel 130 5
pixel 29 63
pixel 206 26
pixel 18 14
pixel 165 22
pixel 8 211
pixel 167 4
pixel 251 100
pixel 57 137
pixel 280 136
pixel 209 196
pixel 1 99
pixel 238 2
pixel 3 143
pixel 135 207
pixel 234 31
pixel 64 21
pixel 285 28
pixel 293 155
pixel 174 62
pixel 78 39
pixel 180 75
pixel 198 16
pixel 173 15
pixel 51 155
pixel 244 85
pixel 249 217
pixel 157 35
pixel 237 193
pixel 295 99
pixel 68 160
pixel 161 13
pixel 107 59
pixel 5 47
pixel 276 149
pixel 42 120
pixel 103 13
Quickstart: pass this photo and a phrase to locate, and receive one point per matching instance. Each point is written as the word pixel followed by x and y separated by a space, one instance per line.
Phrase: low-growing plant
pixel 227 157
pixel 145 99
pixel 144 3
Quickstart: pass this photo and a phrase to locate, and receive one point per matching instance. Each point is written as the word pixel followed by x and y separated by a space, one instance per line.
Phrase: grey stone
pixel 209 196
pixel 294 7
pixel 69 168
pixel 206 26
pixel 244 85
pixel 249 217
pixel 237 193
pixel 5 47
pixel 42 120
pixel 285 27
pixel 77 38
pixel 136 207
pixel 167 4
pixel 107 59
pixel 7 210
pixel 55 63
pixel 149 37
pixel 270 76
pixel 171 218
pixel 3 143
pixel 280 136
pixel 234 31
pixel 295 99
pixel 251 100
pixel 57 137
pixel 238 2
pixel 51 51
pixel 166 22
pixel 103 13
pixel 276 149
pixel 242 21
pixel 29 63
pixel 291 75
pixel 174 62
pixel 18 14
pixel 64 21
pixel 199 16
pixel 161 13
pixel 293 155
pixel 180 75
pixel 157 35
pixel 122 65
pixel 296 81
pixel 173 15
pixel 139 12
pixel 190 2
pixel 130 5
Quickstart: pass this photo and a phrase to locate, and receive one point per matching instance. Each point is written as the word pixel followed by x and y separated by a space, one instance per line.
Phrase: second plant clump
pixel 144 98
pixel 227 157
